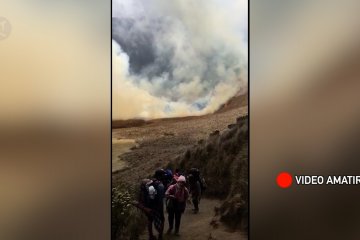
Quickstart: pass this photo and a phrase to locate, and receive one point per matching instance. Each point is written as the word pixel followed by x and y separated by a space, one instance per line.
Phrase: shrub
pixel 127 222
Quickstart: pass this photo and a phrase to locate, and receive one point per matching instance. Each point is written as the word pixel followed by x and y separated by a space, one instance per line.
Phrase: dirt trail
pixel 197 226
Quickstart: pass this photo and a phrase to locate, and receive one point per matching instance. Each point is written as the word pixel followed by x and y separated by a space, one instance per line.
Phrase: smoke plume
pixel 177 58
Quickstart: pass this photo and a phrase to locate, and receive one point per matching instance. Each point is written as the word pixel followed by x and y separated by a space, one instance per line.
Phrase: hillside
pixel 223 161
pixel 161 141
pixel 235 102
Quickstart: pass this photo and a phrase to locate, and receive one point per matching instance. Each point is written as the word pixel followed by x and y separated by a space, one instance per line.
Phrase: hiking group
pixel 172 190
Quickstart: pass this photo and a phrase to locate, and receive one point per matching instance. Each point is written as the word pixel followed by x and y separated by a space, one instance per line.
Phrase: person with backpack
pixel 168 178
pixel 198 178
pixel 151 202
pixel 176 176
pixel 195 191
pixel 177 195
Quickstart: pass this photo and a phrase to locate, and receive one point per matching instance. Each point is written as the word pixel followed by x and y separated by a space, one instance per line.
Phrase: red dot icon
pixel 284 180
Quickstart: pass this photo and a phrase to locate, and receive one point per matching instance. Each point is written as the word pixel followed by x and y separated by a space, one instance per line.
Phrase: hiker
pixel 177 195
pixel 198 178
pixel 168 178
pixel 151 202
pixel 195 191
pixel 177 174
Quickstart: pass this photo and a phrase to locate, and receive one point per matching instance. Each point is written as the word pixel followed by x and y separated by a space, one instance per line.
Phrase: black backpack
pixel 157 199
pixel 203 184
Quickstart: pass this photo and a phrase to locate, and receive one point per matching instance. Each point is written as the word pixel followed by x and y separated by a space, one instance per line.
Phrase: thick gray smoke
pixel 176 58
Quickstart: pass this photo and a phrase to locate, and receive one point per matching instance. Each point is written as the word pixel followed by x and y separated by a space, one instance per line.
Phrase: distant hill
pixel 128 123
pixel 235 102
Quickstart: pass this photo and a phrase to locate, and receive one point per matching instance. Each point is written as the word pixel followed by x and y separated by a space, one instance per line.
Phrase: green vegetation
pixel 126 220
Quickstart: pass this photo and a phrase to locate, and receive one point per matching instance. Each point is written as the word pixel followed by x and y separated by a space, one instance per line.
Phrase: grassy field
pixel 120 146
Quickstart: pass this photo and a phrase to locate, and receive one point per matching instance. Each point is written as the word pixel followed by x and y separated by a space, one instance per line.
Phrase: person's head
pixel 159 174
pixel 191 178
pixel 177 170
pixel 175 178
pixel 181 181
pixel 168 173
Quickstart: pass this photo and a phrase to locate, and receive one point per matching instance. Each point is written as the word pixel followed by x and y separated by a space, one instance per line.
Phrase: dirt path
pixel 197 226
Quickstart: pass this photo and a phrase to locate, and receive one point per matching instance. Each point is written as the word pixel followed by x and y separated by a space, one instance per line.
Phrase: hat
pixel 181 179
pixel 168 172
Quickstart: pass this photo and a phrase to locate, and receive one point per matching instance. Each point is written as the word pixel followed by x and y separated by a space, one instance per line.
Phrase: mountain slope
pixel 223 161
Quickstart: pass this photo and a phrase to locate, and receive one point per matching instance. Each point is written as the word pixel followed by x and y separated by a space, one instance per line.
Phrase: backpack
pixel 203 184
pixel 152 193
pixel 197 176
